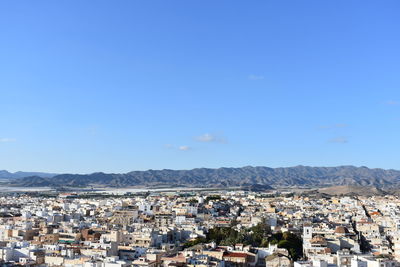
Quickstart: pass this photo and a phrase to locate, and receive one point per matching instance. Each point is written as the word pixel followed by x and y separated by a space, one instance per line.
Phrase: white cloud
pixel 208 138
pixel 169 146
pixel 92 130
pixel 184 148
pixel 392 103
pixel 7 140
pixel 181 148
pixel 334 126
pixel 254 77
pixel 339 140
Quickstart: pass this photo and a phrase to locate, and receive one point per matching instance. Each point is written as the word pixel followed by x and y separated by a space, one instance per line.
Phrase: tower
pixel 307 232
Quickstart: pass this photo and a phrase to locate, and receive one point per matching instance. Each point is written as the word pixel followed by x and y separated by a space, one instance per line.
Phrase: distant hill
pixel 352 190
pixel 9 175
pixel 302 176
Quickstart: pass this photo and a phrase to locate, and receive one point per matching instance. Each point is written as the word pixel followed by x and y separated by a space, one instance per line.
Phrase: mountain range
pixel 14 175
pixel 298 176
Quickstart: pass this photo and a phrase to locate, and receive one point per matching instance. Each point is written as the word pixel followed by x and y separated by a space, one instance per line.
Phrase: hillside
pixel 15 175
pixel 351 190
pixel 227 177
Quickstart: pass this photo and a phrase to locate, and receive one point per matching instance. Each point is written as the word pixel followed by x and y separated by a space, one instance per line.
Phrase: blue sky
pixel 116 86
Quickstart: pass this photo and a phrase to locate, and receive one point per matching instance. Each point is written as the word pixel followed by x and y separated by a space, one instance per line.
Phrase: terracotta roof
pixel 318 239
pixel 236 255
pixel 341 230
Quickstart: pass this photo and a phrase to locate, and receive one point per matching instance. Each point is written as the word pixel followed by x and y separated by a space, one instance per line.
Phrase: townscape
pixel 198 228
pixel 199 133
